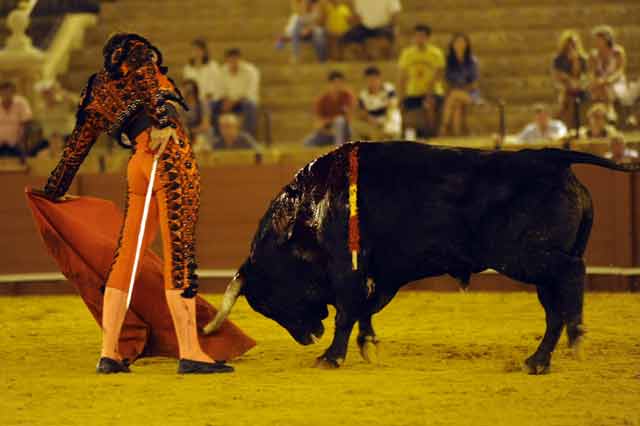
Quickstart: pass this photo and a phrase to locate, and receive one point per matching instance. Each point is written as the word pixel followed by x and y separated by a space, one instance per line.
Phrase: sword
pixel 143 225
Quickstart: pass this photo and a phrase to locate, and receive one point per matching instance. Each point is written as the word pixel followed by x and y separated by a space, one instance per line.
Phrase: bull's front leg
pixel 367 340
pixel 335 355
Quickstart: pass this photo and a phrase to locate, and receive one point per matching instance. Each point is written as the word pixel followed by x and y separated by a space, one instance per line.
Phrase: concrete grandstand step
pixel 466 5
pixel 516 18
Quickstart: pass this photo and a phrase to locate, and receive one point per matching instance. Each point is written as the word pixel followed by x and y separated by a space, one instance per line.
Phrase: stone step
pixel 262 17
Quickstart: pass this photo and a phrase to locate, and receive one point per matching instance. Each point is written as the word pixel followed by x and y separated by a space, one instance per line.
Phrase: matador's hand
pixel 160 138
pixel 41 193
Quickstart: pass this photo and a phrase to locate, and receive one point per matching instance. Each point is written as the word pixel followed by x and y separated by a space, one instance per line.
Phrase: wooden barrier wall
pixel 235 197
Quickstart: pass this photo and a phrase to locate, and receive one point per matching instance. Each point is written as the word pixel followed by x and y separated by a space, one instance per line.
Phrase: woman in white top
pixel 204 71
pixel 607 64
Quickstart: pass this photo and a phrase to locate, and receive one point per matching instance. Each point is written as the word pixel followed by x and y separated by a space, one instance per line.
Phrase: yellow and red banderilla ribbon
pixel 354 225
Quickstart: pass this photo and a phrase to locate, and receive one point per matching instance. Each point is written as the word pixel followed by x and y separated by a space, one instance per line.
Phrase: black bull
pixel 423 211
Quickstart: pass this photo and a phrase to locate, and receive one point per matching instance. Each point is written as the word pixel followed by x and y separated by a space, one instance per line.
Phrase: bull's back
pixel 445 208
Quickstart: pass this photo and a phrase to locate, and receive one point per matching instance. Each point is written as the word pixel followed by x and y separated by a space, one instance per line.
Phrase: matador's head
pixel 126 52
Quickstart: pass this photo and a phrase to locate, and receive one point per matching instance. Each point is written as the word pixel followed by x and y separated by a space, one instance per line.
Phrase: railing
pixel 70 36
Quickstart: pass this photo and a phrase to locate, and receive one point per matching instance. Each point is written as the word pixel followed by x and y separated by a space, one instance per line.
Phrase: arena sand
pixel 446 359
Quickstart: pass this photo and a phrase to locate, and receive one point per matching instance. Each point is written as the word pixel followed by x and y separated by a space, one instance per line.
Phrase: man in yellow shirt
pixel 338 16
pixel 421 80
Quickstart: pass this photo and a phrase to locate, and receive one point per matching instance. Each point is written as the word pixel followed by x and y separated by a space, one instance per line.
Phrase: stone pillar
pixel 20 61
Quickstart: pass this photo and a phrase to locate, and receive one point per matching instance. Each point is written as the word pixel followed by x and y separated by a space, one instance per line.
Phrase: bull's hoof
pixel 326 363
pixel 536 365
pixel 369 349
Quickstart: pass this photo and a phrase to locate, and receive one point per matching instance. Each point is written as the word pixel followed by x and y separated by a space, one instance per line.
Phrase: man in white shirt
pixel 15 115
pixel 375 18
pixel 543 128
pixel 239 91
pixel 379 116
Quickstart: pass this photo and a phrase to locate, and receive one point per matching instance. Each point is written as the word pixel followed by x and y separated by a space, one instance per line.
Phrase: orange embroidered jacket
pixel 131 89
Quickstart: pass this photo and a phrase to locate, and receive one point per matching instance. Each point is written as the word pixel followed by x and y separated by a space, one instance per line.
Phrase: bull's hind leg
pixel 561 295
pixel 540 361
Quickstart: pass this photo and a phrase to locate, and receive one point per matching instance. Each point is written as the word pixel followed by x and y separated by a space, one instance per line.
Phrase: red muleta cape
pixel 82 235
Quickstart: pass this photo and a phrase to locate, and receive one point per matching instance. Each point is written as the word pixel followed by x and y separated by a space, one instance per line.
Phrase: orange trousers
pixel 173 209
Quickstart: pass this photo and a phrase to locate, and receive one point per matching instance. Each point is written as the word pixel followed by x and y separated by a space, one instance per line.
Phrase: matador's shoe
pixel 187 366
pixel 111 366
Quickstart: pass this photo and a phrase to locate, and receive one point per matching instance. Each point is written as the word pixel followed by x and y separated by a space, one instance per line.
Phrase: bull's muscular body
pixel 424 211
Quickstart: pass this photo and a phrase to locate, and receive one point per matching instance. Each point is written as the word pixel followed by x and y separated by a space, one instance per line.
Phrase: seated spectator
pixel 421 81
pixel 618 150
pixel 607 63
pixel 204 71
pixel 543 128
pixel 570 71
pixel 195 119
pixel 56 108
pixel 333 113
pixel 461 76
pixel 379 116
pixel 15 115
pixel 597 127
pixel 231 137
pixel 305 24
pixel 239 91
pixel 337 22
pixel 373 19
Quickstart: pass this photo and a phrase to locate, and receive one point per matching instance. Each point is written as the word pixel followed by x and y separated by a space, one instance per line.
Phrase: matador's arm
pixel 160 92
pixel 88 128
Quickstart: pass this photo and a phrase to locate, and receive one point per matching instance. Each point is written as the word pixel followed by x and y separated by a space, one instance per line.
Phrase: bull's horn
pixel 228 300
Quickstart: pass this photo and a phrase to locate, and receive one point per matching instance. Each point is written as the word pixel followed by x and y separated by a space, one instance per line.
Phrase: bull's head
pixel 295 304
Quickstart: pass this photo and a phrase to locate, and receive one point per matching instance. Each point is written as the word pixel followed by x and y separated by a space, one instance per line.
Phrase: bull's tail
pixel 577 157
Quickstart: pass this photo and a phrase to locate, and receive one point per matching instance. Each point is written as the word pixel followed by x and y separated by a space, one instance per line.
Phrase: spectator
pixel 462 81
pixel 607 63
pixel 305 24
pixel 379 116
pixel 618 150
pixel 15 115
pixel 239 91
pixel 338 16
pixel 570 71
pixel 56 108
pixel 373 18
pixel 597 123
pixel 231 137
pixel 204 71
pixel 195 119
pixel 421 73
pixel 333 113
pixel 543 128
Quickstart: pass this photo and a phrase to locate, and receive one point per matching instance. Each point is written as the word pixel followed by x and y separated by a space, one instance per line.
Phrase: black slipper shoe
pixel 187 366
pixel 111 366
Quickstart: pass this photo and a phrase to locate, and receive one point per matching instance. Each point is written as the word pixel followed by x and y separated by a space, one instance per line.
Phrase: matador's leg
pixel 114 303
pixel 178 200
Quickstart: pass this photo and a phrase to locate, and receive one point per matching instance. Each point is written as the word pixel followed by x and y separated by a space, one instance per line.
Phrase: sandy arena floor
pixel 445 359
